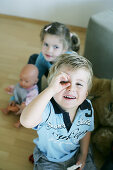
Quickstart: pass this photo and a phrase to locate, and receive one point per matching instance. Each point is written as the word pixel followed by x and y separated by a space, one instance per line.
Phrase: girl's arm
pixel 32 114
pixel 84 145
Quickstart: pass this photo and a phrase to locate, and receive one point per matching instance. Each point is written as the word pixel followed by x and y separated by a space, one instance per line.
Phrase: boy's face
pixel 52 47
pixel 74 95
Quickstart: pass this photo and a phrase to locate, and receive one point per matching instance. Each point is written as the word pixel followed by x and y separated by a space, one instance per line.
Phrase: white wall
pixel 73 12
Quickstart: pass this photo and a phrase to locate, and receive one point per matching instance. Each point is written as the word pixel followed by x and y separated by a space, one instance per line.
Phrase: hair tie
pixel 46 29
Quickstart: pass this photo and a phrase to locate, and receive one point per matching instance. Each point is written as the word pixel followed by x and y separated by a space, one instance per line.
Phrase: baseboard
pixel 81 29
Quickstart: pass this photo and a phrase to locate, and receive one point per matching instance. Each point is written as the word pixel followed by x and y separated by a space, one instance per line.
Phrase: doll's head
pixel 28 76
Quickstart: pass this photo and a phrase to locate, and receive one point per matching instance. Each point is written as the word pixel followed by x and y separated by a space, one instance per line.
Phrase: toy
pixel 74 167
pixel 102 100
pixel 24 92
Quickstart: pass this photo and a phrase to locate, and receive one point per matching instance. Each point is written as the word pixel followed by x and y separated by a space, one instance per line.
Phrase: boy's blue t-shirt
pixel 58 138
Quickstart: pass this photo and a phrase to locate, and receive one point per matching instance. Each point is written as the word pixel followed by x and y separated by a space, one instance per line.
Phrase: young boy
pixel 62 116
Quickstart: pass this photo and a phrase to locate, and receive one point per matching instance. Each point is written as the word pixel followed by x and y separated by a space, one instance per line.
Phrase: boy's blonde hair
pixel 73 61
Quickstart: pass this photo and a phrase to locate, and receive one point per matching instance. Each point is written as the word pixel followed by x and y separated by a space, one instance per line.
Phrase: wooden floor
pixel 19 39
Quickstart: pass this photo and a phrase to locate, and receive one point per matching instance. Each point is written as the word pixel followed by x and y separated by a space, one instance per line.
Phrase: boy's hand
pixel 80 161
pixel 60 82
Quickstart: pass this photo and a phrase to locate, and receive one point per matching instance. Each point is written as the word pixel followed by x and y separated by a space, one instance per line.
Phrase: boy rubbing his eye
pixel 63 117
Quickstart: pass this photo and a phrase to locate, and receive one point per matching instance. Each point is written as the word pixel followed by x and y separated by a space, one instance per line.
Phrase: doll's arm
pixel 9 89
pixel 84 145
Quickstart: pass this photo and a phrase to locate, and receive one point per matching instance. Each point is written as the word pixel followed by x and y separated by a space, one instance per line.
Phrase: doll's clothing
pixel 19 94
pixel 24 95
pixel 31 94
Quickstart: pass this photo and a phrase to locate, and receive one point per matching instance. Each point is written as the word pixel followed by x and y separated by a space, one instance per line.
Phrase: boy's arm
pixel 32 114
pixel 84 145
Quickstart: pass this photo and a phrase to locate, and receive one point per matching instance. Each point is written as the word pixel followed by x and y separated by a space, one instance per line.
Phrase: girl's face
pixel 74 95
pixel 52 47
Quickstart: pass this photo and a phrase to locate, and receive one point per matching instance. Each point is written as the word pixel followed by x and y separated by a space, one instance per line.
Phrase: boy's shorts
pixel 42 163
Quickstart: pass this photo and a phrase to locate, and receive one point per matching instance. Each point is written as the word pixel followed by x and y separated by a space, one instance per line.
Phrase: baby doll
pixel 24 92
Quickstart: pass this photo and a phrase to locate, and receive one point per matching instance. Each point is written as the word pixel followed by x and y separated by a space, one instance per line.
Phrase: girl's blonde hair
pixel 73 61
pixel 70 40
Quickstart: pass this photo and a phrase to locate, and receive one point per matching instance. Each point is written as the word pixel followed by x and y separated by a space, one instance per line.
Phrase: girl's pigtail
pixel 75 42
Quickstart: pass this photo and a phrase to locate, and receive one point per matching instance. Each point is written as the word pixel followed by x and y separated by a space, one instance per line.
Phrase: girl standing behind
pixel 56 39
